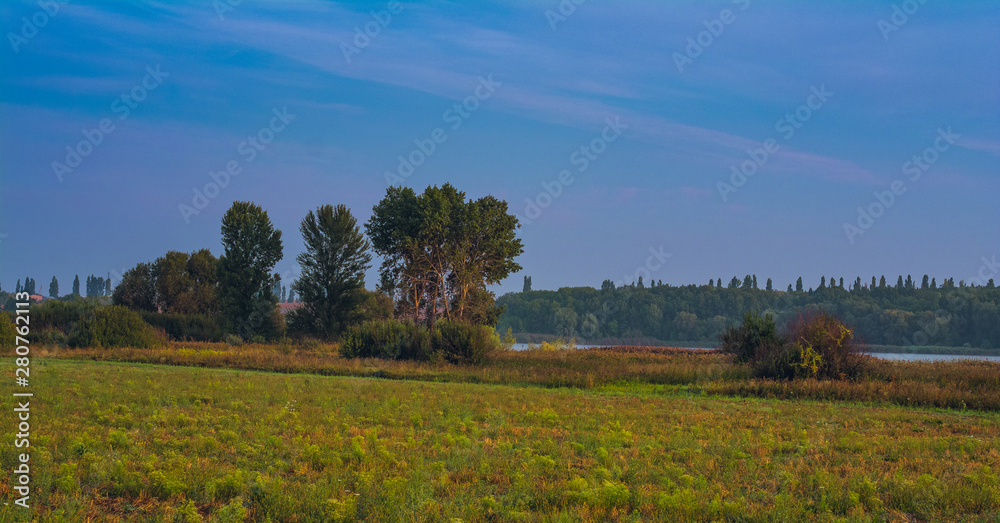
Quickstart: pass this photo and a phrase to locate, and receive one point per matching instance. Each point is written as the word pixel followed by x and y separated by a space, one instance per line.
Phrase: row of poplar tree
pixel 440 254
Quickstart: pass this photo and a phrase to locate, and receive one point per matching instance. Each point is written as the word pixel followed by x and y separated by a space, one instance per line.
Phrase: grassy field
pixel 129 442
pixel 966 384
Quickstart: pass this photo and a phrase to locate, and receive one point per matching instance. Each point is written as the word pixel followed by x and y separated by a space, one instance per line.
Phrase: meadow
pixel 568 442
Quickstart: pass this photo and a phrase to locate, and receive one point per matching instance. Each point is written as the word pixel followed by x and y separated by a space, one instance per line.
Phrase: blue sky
pixel 537 85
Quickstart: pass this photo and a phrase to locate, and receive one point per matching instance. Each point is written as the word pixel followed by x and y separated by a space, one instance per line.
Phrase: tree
pixel 909 282
pixel 798 284
pixel 881 282
pixel 718 283
pixel 565 322
pixel 607 285
pixel 76 285
pixel 440 252
pixel 747 282
pixel 789 288
pixel 924 284
pixel 640 283
pixel 527 284
pixel 17 288
pixel 769 288
pixel 873 283
pixel 137 290
pixel 284 293
pixel 187 283
pixel 841 283
pixel 899 283
pixel 934 283
pixel 755 282
pixel 252 246
pixel 54 287
pixel 822 282
pixel 734 283
pixel 332 282
pixel 711 282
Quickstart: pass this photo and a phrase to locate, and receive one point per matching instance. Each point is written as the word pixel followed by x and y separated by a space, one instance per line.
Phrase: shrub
pixel 7 332
pixel 114 326
pixel 186 327
pixel 50 337
pixel 744 341
pixel 463 343
pixel 388 339
pixel 822 346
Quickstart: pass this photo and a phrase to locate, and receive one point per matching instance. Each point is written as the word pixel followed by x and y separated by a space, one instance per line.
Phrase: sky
pixel 677 141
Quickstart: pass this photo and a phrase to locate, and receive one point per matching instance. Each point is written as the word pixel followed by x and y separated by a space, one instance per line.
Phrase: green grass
pixel 128 442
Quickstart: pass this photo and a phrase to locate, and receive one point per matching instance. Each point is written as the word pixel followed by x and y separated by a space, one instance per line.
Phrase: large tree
pixel 54 287
pixel 187 283
pixel 332 284
pixel 252 247
pixel 441 252
pixel 76 285
pixel 137 289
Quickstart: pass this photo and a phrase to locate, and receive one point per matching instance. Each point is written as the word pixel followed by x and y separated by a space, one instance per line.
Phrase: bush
pixel 186 327
pixel 822 346
pixel 744 341
pixel 50 337
pixel 464 343
pixel 388 339
pixel 818 345
pixel 114 326
pixel 7 332
pixel 61 314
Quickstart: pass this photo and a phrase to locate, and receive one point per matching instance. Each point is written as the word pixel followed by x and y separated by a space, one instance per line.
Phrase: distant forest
pixel 907 313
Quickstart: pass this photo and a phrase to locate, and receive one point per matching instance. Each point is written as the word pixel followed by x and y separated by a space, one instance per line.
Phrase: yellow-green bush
pixel 114 326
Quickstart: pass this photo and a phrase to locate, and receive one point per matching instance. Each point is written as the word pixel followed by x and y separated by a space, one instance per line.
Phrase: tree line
pixel 906 313
pixel 440 254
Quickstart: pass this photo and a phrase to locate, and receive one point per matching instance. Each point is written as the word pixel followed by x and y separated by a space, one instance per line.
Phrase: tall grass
pixel 967 384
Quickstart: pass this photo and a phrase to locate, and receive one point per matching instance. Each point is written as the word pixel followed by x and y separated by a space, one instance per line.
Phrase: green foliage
pixel 817 345
pixel 252 248
pixel 441 252
pixel 137 290
pixel 113 326
pixel 60 315
pixel 463 343
pixel 7 332
pixel 744 341
pixel 186 283
pixel 387 339
pixel 184 327
pixel 332 284
pixel 946 316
